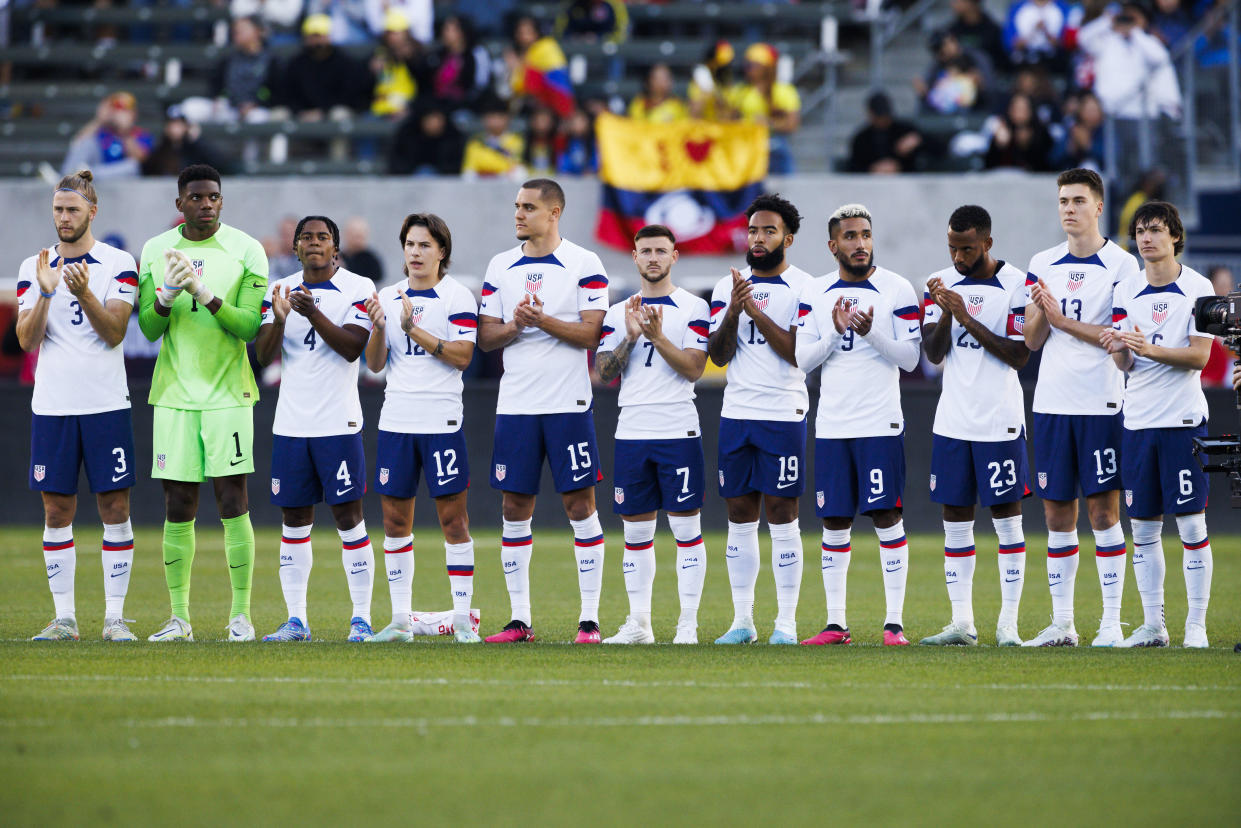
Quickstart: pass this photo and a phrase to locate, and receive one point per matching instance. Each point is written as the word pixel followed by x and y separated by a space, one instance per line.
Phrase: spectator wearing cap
pixel 322 81
pixel 713 87
pixel 355 22
pixel 593 21
pixel 496 151
pixel 426 143
pixel 657 103
pixel 111 145
pixel 765 100
pixel 1133 72
pixel 394 67
pixel 180 145
pixel 885 144
pixel 241 85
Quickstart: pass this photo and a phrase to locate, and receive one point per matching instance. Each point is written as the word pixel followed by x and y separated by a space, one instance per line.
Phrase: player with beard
pixel 80 404
pixel 861 324
pixel 974 315
pixel 659 462
pixel 762 444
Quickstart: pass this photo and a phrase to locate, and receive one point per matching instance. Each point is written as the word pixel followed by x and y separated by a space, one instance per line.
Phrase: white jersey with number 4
pixel 319 387
pixel 981 397
pixel 861 392
pixel 423 394
pixel 657 403
pixel 79 373
pixel 1076 377
pixel 762 385
pixel 1159 395
pixel 542 374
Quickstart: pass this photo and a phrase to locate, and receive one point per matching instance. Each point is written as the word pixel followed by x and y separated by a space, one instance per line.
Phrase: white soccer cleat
pixel 60 629
pixel 958 633
pixel 1196 636
pixel 686 634
pixel 1109 635
pixel 1056 635
pixel 175 630
pixel 1006 636
pixel 116 629
pixel 240 629
pixel 1147 635
pixel 632 632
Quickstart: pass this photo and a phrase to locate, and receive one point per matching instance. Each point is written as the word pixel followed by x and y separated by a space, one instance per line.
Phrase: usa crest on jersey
pixel 501 470
pixel 41 471
pixel 973 305
pixel 761 298
pixel 383 476
pixel 1042 480
pixel 534 283
pixel 197 266
pixel 415 316
pixel 160 461
pixel 820 499
pixel 1159 312
pixel 275 485
pixel 619 495
pixel 1076 279
pixel 932 482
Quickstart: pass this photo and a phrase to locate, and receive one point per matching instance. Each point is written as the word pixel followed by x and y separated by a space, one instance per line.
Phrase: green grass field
pixel 434 733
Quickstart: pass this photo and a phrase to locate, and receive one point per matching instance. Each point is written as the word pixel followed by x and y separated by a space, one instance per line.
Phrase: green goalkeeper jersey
pixel 202 362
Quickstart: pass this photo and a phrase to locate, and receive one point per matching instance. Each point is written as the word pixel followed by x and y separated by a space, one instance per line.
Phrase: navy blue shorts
pixel 1076 453
pixel 103 443
pixel 964 471
pixel 765 456
pixel 566 440
pixel 658 474
pixel 307 470
pixel 400 458
pixel 1160 472
pixel 858 474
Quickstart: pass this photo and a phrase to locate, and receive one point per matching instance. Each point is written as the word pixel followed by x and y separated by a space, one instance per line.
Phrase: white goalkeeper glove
pixel 167 293
pixel 180 273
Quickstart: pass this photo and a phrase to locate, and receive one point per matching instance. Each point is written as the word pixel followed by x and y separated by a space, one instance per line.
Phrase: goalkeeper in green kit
pixel 201 288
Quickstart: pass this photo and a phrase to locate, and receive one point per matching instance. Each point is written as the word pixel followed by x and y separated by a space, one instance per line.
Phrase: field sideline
pixel 433 732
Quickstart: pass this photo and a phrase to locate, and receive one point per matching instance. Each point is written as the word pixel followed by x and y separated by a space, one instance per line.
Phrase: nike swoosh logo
pixel 1003 492
pixel 1110 583
pixel 578 477
pixel 236 462
pixel 356 571
pixel 685 498
pixel 897 569
pixel 702 342
pixel 160 635
pixel 730 557
pixel 397 578
pixel 1105 479
pixel 689 566
pixel 445 481
pixel 256 284
pixel 788 563
pixel 282 566
pixel 238 566
pixel 592 569
pixel 54 574
pixel 119 574
pixel 592 299
pixel 786 485
pixel 873 499
pixel 117 477
pixel 121 290
pixel 170 563
pixel 913 330
pixel 1195 568
pixel 363 318
pixel 1011 580
pixel 340 492
pixel 949 582
pixel 461 331
pixel 1179 500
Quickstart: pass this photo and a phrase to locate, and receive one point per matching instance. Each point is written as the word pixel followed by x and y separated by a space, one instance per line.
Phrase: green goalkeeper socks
pixel 178 559
pixel 239 549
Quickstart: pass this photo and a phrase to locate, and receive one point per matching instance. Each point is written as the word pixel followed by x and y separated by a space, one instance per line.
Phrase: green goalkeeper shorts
pixel 191 445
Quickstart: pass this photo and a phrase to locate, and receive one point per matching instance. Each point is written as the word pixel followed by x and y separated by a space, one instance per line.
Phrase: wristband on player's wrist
pixel 439 348
pixel 47 295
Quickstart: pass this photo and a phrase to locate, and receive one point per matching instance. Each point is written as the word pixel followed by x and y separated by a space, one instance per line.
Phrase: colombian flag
pixel 544 75
pixel 695 177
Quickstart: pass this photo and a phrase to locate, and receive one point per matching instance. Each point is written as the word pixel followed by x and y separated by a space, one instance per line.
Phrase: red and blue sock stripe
pixel 893 544
pixel 597 540
pixel 688 543
pixel 363 541
pixel 525 540
pixel 1061 551
pixel 409 547
pixel 1110 551
pixel 638 547
pixel 461 570
pixel 959 551
pixel 57 546
pixel 1190 546
pixel 1013 548
pixel 117 546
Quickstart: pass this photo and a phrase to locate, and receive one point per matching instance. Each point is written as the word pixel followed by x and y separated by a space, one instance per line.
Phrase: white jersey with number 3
pixel 762 385
pixel 657 403
pixel 1076 377
pixel 319 387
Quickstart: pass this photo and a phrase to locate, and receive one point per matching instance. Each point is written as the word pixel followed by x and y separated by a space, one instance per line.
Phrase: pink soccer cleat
pixel 895 638
pixel 587 633
pixel 513 632
pixel 830 636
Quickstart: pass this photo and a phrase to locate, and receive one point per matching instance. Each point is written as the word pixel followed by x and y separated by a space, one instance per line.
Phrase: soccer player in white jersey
pixel 315 320
pixel 74 301
pixel 861 324
pixel 762 445
pixel 1077 404
pixel 1155 342
pixel 974 313
pixel 425 328
pixel 656 342
pixel 544 302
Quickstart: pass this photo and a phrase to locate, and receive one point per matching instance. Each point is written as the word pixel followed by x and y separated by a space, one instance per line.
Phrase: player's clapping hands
pixel 1043 298
pixel 407 314
pixel 1135 341
pixel 742 298
pixel 46 275
pixel 376 312
pixel 653 323
pixel 529 312
pixel 634 317
pixel 302 301
pixel 948 300
pixel 77 277
pixel 173 266
pixel 280 304
pixel 1110 340
pixel 861 320
pixel 180 274
pixel 840 316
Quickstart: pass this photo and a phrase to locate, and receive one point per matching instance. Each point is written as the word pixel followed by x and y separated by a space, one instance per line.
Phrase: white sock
pixel 399 560
pixel 959 560
pixel 786 568
pixel 588 546
pixel 741 557
pixel 1109 557
pixel 118 559
pixel 1149 568
pixel 894 557
pixel 358 557
pixel 1012 562
pixel 296 560
pixel 1062 573
pixel 61 558
pixel 691 564
pixel 638 565
pixel 460 562
pixel 516 549
pixel 836 554
pixel 1198 564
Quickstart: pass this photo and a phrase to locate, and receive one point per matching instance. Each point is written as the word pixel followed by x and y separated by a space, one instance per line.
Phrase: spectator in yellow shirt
pixel 496 151
pixel 712 87
pixel 657 103
pixel 762 99
pixel 393 66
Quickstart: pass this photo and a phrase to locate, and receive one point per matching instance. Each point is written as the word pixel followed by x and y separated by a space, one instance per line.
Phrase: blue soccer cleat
pixel 780 637
pixel 359 629
pixel 291 630
pixel 738 635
